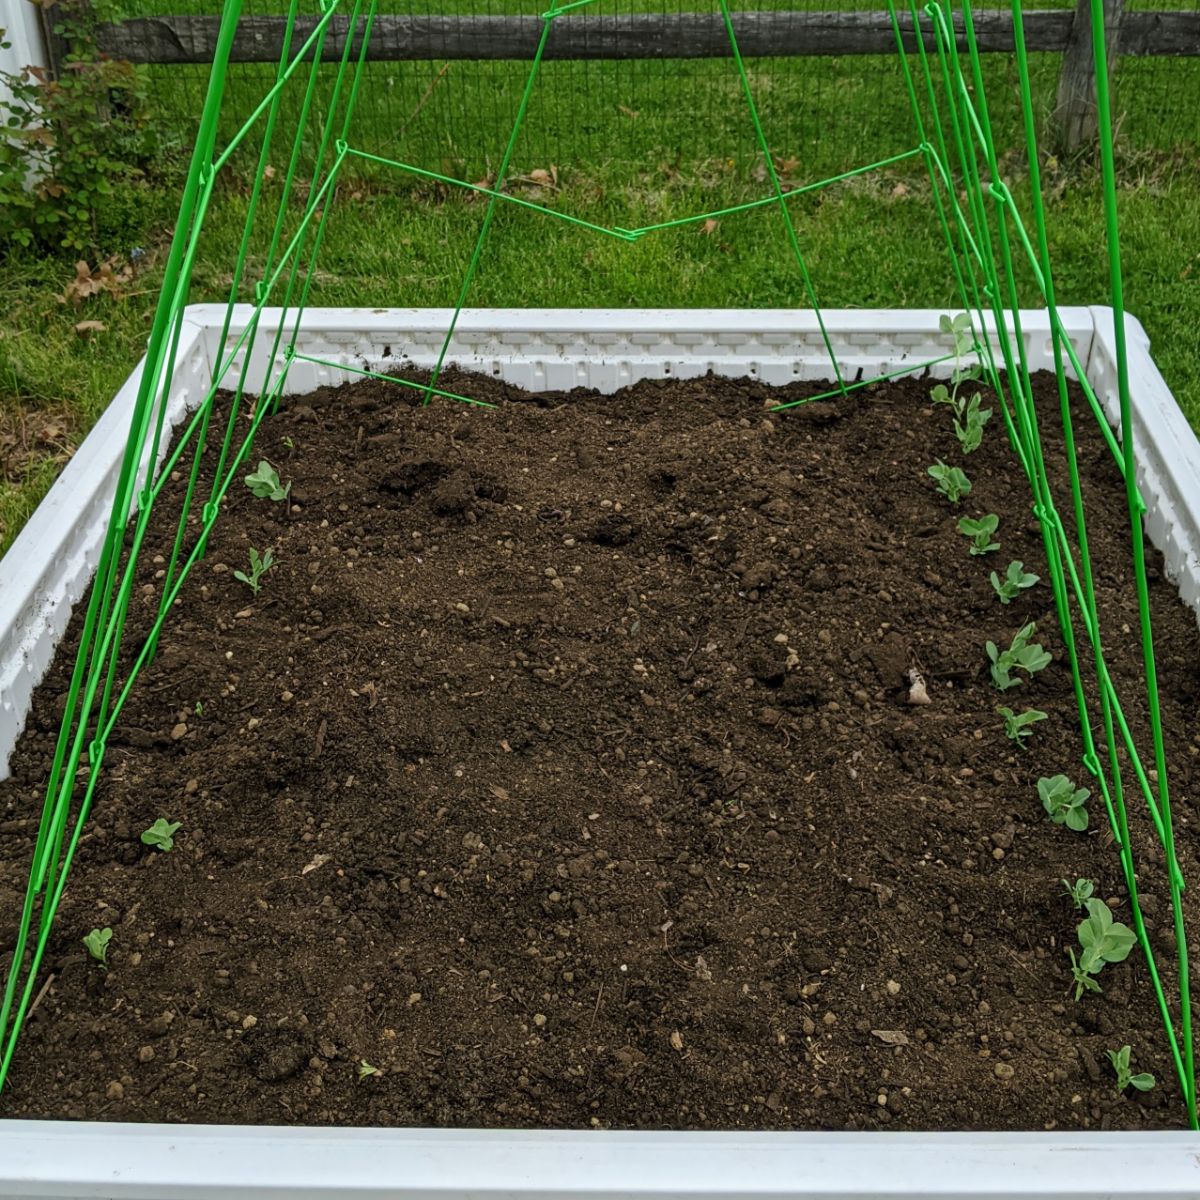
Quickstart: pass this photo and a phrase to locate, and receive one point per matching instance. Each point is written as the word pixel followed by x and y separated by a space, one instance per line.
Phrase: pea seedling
pixel 1017 725
pixel 1064 802
pixel 1103 940
pixel 97 945
pixel 258 568
pixel 161 834
pixel 980 532
pixel 951 481
pixel 969 417
pixel 1080 891
pixel 1021 655
pixel 365 1070
pixel 1016 580
pixel 264 483
pixel 1143 1081
pixel 968 425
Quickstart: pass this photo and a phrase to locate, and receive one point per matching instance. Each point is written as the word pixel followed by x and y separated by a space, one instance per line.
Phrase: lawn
pixel 628 150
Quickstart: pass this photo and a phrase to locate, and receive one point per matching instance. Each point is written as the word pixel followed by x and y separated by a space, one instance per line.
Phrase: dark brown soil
pixel 562 770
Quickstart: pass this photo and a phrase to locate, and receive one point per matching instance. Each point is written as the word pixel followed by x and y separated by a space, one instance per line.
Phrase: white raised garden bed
pixel 50 566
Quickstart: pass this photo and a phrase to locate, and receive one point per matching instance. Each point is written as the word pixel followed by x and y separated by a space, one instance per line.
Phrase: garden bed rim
pixel 60 1161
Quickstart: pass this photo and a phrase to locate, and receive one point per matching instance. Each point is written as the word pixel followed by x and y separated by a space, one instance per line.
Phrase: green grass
pixel 628 151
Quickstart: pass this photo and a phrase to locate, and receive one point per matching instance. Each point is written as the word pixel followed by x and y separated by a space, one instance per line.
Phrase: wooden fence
pixel 192 39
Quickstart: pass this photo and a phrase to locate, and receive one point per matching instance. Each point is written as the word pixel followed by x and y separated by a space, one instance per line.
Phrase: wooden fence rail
pixel 192 39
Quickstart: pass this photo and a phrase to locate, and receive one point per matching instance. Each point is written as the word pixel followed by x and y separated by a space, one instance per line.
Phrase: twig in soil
pixel 691 653
pixel 595 1011
pixel 38 999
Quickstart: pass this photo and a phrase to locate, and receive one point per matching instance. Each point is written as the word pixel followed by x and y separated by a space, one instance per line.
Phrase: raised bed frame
pixel 49 568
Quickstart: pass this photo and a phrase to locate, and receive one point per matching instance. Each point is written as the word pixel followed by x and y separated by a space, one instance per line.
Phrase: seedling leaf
pixel 1016 580
pixel 1064 803
pixel 1143 1081
pixel 97 945
pixel 265 483
pixel 161 834
pixel 258 568
pixel 980 532
pixel 951 481
pixel 1017 725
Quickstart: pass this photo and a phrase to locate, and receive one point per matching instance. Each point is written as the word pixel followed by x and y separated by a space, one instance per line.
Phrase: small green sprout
pixel 365 1070
pixel 1103 940
pixel 97 945
pixel 264 483
pixel 1125 1078
pixel 1016 580
pixel 199 709
pixel 1080 891
pixel 951 481
pixel 969 417
pixel 969 423
pixel 287 441
pixel 1084 982
pixel 161 833
pixel 980 532
pixel 1064 802
pixel 258 568
pixel 1021 655
pixel 1017 725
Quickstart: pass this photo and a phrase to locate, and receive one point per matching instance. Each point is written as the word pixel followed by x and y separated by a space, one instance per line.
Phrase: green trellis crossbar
pixel 985 236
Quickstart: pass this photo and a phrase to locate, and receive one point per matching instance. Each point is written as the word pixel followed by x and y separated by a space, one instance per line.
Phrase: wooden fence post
pixel 1074 118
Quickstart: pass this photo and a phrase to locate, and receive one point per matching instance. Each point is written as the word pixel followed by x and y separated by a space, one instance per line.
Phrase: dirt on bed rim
pixel 563 771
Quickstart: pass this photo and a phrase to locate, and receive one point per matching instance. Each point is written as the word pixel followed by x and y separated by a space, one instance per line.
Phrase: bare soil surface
pixel 563 771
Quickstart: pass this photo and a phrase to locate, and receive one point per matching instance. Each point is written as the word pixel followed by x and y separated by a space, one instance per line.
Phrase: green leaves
pixel 97 945
pixel 969 421
pixel 951 481
pixel 1079 891
pixel 365 1070
pixel 1083 979
pixel 1102 940
pixel 1017 725
pixel 161 834
pixel 1016 580
pixel 969 416
pixel 980 532
pixel 258 568
pixel 1143 1082
pixel 1022 655
pixel 959 327
pixel 1064 802
pixel 70 141
pixel 264 483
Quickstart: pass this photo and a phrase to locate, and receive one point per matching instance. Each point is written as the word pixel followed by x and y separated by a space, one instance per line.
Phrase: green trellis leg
pixel 1136 508
pixel 777 188
pixel 235 286
pixel 490 211
pixel 97 605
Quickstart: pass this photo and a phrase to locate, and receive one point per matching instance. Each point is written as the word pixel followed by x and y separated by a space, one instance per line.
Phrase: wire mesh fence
pixel 649 113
